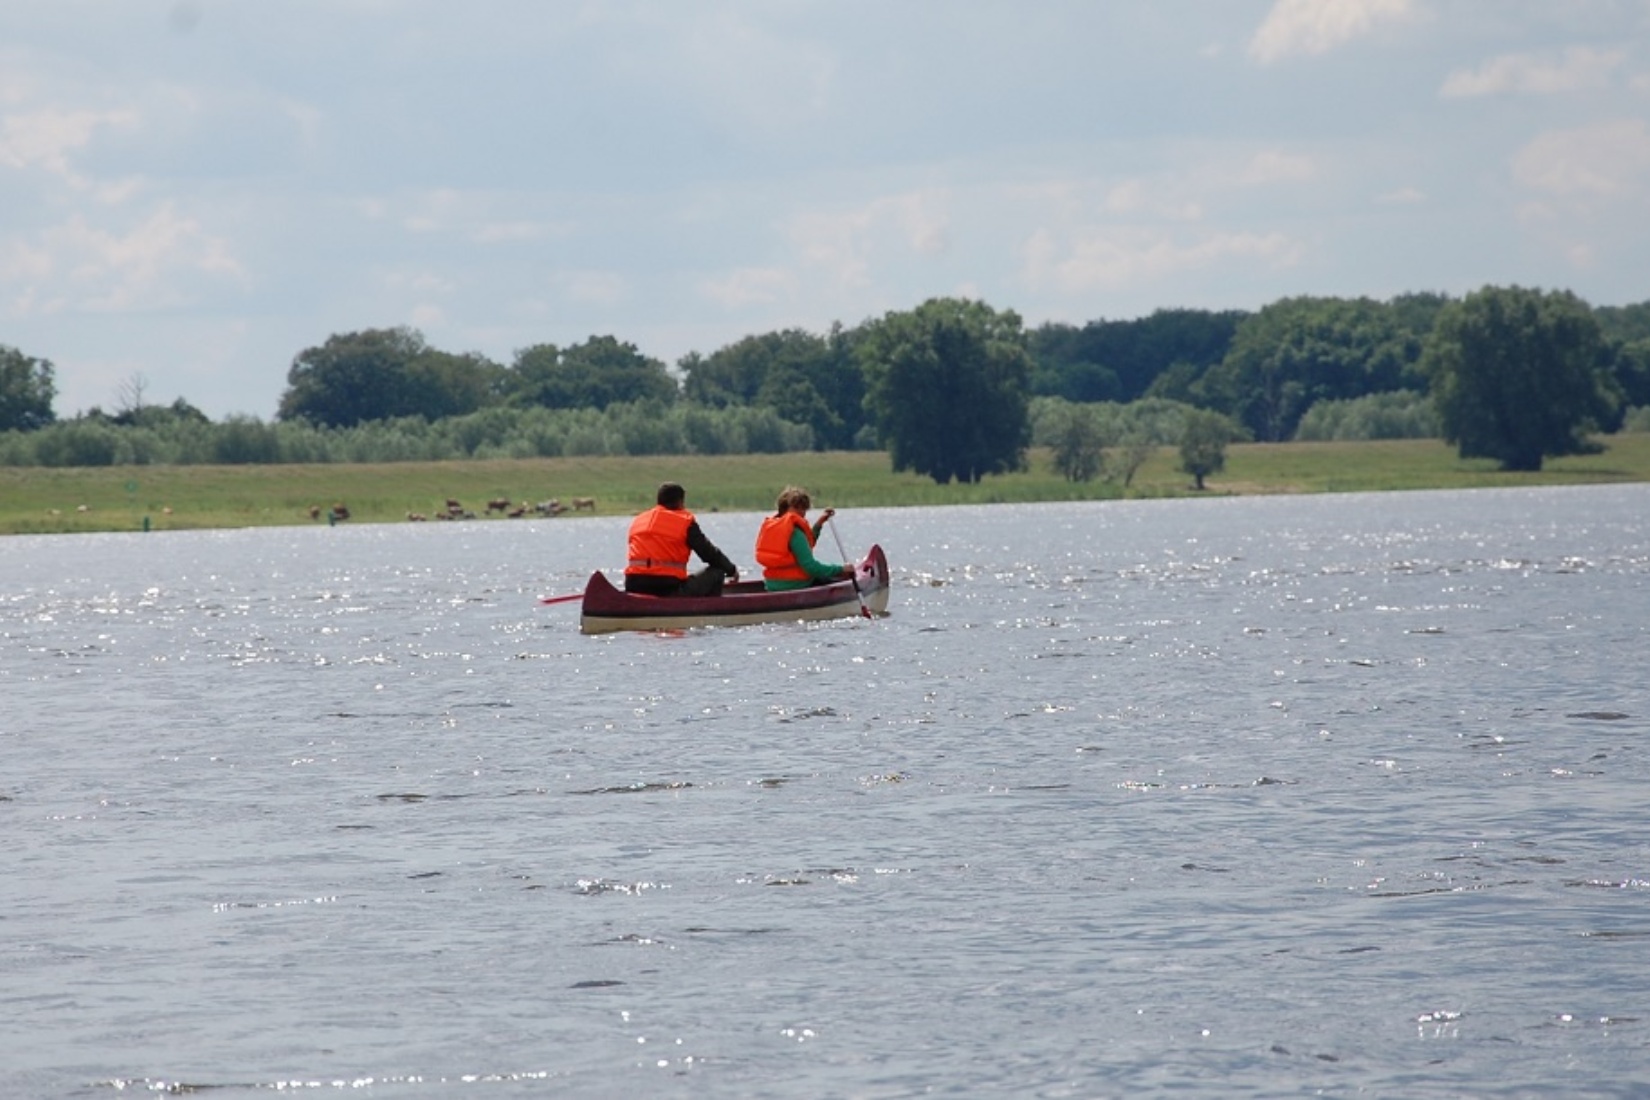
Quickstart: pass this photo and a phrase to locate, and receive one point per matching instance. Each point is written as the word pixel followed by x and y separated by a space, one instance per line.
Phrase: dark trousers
pixel 707 582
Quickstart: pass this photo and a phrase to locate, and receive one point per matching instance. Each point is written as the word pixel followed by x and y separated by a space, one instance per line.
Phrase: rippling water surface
pixel 1258 796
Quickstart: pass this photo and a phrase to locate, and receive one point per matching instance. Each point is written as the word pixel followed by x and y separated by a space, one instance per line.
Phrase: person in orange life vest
pixel 661 539
pixel 785 546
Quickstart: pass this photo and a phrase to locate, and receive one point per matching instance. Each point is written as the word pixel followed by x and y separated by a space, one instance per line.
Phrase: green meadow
pixel 40 500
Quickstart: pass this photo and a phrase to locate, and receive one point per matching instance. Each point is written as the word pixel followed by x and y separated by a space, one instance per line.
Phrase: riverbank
pixel 36 500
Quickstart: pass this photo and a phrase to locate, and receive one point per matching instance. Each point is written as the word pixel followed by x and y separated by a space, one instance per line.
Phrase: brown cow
pixel 499 504
pixel 584 504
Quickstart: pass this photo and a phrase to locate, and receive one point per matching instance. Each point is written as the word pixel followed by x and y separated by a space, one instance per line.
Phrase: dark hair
pixel 671 495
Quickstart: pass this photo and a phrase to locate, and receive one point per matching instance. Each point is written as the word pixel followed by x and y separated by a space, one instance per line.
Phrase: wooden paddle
pixel 853 576
pixel 562 599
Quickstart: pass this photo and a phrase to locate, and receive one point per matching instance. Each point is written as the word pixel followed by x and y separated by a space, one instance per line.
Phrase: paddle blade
pixel 562 599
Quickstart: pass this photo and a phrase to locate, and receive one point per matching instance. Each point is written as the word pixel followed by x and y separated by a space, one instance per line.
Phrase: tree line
pixel 953 389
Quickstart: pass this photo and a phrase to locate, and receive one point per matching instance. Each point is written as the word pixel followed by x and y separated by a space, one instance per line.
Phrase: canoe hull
pixel 607 609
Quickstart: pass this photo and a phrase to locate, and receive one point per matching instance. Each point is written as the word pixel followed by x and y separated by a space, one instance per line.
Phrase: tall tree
pixel 1299 351
pixel 805 378
pixel 353 377
pixel 1203 442
pixel 27 387
pixel 947 386
pixel 1516 375
pixel 600 372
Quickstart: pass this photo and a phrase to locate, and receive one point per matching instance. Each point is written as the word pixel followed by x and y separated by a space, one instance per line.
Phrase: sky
pixel 193 192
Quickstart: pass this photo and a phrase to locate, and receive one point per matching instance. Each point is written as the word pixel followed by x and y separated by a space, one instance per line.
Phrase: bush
pixel 1399 414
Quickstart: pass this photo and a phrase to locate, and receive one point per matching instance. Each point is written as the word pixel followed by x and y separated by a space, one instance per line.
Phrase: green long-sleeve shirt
pixel 817 570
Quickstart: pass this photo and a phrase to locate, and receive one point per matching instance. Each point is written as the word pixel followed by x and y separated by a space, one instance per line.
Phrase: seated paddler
pixel 661 540
pixel 785 545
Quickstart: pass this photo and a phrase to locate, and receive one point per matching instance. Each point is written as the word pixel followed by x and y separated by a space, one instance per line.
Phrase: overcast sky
pixel 194 191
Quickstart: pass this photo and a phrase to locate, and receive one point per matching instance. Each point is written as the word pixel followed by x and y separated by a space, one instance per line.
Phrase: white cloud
pixel 596 287
pixel 750 286
pixel 1318 26
pixel 842 242
pixel 1578 69
pixel 45 139
pixel 1403 196
pixel 1116 257
pixel 78 265
pixel 1604 160
pixel 1149 198
pixel 1271 166
pixel 426 315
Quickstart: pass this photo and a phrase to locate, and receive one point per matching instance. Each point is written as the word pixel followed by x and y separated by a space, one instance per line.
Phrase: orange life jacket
pixel 773 547
pixel 658 542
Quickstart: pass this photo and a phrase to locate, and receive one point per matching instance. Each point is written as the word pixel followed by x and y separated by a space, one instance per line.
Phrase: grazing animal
pixel 548 507
pixel 584 504
pixel 518 511
pixel 498 504
pixel 314 511
pixel 340 512
pixel 454 506
pixel 416 517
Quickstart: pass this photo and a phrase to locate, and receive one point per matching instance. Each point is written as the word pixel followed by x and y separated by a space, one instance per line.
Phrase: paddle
pixel 854 576
pixel 562 599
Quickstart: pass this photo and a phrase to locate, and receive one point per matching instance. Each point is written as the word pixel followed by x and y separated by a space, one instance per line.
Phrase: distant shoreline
pixel 52 500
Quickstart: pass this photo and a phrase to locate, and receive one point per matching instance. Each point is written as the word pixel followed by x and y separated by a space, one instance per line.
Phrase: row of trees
pixel 947 387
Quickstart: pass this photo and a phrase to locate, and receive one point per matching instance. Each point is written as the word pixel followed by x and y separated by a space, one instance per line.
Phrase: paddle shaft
pixel 562 599
pixel 854 575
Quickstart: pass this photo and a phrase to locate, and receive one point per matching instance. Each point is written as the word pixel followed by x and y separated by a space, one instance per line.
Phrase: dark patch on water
pixel 1358 950
pixel 1459 888
pixel 596 983
pixel 1617 934
pixel 703 930
pixel 771 783
pixel 1210 870
pixel 637 788
pixel 426 874
pixel 1600 715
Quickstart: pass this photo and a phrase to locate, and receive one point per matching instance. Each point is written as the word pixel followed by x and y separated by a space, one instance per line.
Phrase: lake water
pixel 1254 796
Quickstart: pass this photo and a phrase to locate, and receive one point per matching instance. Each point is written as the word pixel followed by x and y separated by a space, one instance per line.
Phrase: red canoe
pixel 607 608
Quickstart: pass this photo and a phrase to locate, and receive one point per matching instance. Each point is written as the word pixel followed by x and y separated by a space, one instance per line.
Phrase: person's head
pixel 671 495
pixel 792 499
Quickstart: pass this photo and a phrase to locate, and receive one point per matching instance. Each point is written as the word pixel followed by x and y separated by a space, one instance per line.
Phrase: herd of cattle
pixel 454 509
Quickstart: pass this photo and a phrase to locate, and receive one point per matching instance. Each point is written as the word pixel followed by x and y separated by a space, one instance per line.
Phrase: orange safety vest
pixel 658 542
pixel 773 547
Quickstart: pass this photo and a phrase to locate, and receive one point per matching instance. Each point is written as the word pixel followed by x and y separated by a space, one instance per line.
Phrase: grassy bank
pixel 121 498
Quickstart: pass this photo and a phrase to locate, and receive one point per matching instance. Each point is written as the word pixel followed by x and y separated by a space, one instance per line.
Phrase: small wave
pixel 639 788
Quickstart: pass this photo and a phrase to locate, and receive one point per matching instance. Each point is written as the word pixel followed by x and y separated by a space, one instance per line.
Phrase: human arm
pixel 707 551
pixel 819 524
pixel 816 569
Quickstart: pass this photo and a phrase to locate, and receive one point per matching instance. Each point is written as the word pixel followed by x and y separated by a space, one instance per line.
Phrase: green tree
pixel 805 378
pixel 1120 360
pixel 1079 444
pixel 27 387
pixel 440 384
pixel 600 372
pixel 352 378
pixel 1203 442
pixel 1299 351
pixel 1516 375
pixel 1632 371
pixel 946 384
